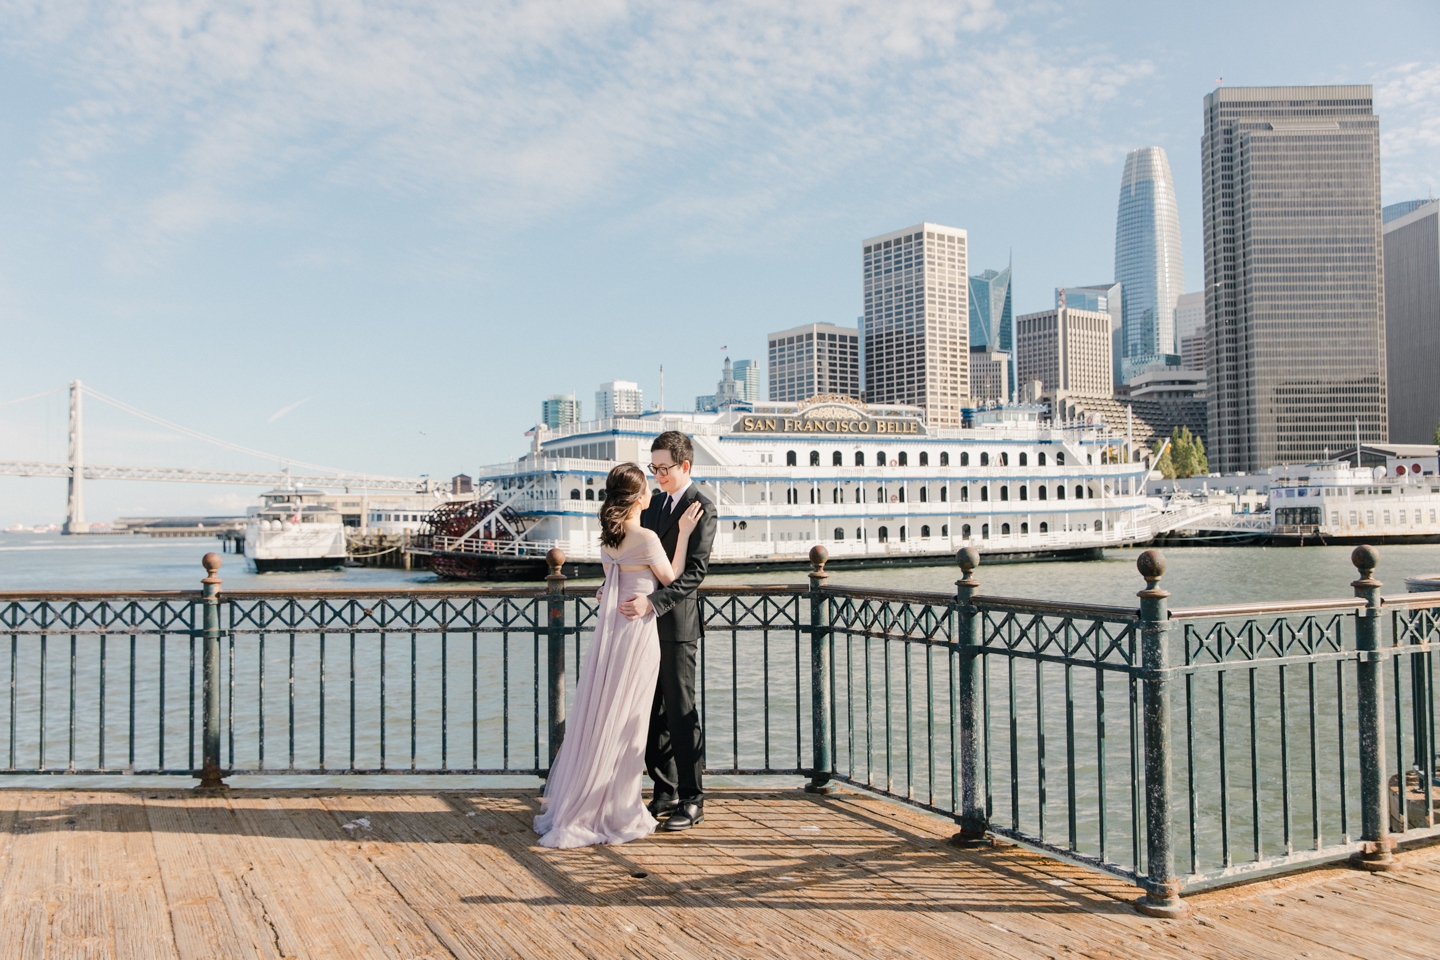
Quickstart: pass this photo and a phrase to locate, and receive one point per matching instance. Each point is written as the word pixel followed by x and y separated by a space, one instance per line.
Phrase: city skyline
pixel 392 207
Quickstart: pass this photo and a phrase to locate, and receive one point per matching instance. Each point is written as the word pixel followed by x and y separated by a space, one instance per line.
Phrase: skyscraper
pixel 992 320
pixel 817 358
pixel 917 320
pixel 1067 350
pixel 1106 298
pixel 747 376
pixel 559 410
pixel 1294 311
pixel 618 398
pixel 1412 322
pixel 1190 330
pixel 1148 262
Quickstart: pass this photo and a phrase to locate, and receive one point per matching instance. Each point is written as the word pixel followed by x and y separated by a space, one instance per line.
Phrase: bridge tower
pixel 75 507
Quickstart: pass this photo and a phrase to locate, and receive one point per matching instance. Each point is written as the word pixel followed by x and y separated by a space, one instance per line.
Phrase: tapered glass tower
pixel 1148 262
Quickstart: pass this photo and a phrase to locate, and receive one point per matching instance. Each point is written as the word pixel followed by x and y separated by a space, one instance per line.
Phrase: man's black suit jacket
pixel 679 597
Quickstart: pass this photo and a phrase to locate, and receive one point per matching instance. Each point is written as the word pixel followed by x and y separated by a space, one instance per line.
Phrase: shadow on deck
pixel 323 873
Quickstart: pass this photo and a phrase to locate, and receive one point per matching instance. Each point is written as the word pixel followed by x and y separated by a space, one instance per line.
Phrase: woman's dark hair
pixel 624 488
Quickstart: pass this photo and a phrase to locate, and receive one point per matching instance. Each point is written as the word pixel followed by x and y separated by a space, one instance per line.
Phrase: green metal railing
pixel 1176 748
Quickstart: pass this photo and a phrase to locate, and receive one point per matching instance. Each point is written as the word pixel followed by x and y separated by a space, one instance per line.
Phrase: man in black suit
pixel 675 748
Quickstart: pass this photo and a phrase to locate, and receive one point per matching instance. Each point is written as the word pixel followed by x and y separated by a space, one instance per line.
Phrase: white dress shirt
pixel 673 498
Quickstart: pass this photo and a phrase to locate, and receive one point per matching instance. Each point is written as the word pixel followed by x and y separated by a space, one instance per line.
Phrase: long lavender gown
pixel 593 792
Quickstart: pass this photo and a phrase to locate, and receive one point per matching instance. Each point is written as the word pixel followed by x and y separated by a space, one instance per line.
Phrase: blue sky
pixel 409 222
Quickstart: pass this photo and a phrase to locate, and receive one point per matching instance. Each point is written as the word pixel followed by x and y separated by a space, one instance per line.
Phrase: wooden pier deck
pixel 439 874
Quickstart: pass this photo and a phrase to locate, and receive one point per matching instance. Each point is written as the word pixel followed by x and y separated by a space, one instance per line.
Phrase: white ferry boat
pixel 873 484
pixel 294 529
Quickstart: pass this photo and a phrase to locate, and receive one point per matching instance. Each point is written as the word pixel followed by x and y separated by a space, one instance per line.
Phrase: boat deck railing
pixel 1177 748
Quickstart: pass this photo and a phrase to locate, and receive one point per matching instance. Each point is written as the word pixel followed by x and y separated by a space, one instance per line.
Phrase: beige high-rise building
pixel 916 329
pixel 1294 274
pixel 989 374
pixel 817 358
pixel 1067 350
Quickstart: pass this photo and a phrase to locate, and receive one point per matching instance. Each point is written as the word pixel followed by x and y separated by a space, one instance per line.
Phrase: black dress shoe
pixel 688 814
pixel 659 809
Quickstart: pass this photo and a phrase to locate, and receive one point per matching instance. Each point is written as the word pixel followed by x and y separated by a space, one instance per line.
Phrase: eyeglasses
pixel 662 470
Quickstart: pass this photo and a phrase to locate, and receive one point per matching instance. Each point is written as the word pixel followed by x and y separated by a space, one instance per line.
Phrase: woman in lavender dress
pixel 593 792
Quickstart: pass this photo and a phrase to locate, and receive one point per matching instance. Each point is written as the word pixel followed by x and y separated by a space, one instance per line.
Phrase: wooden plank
pixel 25 892
pixel 204 923
pixel 130 873
pixel 393 924
pixel 79 921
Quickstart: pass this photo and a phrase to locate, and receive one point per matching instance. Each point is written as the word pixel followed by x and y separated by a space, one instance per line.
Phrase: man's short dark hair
pixel 676 444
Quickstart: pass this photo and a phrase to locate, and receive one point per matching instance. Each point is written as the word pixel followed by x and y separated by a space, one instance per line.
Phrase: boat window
pixel 964 459
pixel 1004 493
pixel 945 459
pixel 837 460
pixel 924 533
pixel 984 459
pixel 984 493
pixel 965 531
pixel 902 494
pixel 1044 527
pixel 1040 458
pixel 1004 529
pixel 883 534
pixel 1004 459
pixel 1042 491
pixel 904 459
pixel 814 495
pixel 879 458
pixel 1079 492
pixel 985 531
pixel 814 458
pixel 1024 529
pixel 599 494
pixel 859 533
pixel 589 494
pixel 924 459
pixel 1024 492
pixel 859 458
pixel 790 460
pixel 944 494
pixel 964 494
pixel 924 495
pixel 839 533
pixel 1024 460
pixel 902 534
pixel 1099 527
pixel 1059 492
pixel 1060 458
pixel 575 494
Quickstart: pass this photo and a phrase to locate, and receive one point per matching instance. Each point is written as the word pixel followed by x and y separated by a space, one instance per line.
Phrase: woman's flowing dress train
pixel 593 792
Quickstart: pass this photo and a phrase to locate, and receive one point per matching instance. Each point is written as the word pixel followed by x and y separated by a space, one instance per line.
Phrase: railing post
pixel 1370 680
pixel 1162 887
pixel 821 693
pixel 555 629
pixel 211 776
pixel 971 816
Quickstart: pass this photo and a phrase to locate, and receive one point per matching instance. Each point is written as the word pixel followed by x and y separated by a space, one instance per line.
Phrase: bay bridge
pixel 76 471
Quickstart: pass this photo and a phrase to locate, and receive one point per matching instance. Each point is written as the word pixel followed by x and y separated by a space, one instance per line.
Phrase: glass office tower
pixel 1295 312
pixel 992 320
pixel 1148 263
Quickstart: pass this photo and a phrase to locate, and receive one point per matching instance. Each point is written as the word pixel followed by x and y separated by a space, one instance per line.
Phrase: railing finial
pixel 1365 558
pixel 556 560
pixel 211 562
pixel 1151 565
pixel 969 559
pixel 818 556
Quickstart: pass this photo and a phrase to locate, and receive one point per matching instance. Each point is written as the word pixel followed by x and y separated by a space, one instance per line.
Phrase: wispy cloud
pixel 284 410
pixel 1407 98
pixel 514 110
